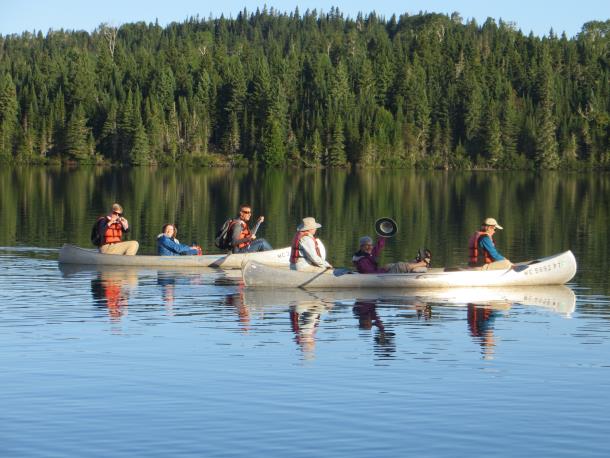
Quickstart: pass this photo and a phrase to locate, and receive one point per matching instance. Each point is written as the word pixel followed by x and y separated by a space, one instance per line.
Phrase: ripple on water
pixel 157 363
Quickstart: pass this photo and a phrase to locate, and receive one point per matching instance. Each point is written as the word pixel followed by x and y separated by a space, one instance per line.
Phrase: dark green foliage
pixel 77 134
pixel 315 89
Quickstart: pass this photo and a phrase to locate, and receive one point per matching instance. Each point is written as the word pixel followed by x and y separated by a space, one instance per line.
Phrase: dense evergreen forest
pixel 309 90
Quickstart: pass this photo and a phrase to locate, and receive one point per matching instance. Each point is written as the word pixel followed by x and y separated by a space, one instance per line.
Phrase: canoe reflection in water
pixel 111 289
pixel 378 312
pixel 483 306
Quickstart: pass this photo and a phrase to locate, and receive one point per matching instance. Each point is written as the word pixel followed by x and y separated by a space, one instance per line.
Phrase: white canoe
pixel 71 254
pixel 553 270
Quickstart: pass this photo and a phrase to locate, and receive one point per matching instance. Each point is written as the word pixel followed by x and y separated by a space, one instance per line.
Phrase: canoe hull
pixel 553 270
pixel 71 254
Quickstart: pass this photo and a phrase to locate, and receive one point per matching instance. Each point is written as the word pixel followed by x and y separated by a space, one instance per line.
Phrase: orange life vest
pixel 473 249
pixel 295 253
pixel 113 233
pixel 245 233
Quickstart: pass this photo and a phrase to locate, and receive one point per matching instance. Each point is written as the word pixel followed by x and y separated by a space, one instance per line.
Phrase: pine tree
pixel 316 149
pixel 547 156
pixel 76 139
pixel 493 138
pixel 336 152
pixel 140 153
pixel 109 141
pixel 510 124
pixel 274 148
pixel 8 116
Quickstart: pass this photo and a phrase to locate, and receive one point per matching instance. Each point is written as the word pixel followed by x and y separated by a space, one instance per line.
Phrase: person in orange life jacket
pixel 308 253
pixel 482 251
pixel 168 244
pixel 242 240
pixel 365 260
pixel 112 227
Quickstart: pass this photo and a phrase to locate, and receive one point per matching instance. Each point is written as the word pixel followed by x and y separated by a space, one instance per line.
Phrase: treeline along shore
pixel 309 90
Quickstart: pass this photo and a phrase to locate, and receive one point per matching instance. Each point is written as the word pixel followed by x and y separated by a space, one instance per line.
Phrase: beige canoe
pixel 553 270
pixel 71 254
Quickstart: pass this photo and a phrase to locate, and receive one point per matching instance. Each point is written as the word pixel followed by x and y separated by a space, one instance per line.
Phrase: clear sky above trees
pixel 537 16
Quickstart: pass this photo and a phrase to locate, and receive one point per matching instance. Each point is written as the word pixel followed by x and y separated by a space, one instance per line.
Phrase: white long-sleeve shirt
pixel 309 259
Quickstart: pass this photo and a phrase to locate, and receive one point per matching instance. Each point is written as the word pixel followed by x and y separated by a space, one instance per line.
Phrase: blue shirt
pixel 167 246
pixel 486 244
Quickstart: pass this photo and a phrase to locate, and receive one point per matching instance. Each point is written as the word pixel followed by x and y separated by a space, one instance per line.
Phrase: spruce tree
pixel 76 137
pixel 336 152
pixel 8 116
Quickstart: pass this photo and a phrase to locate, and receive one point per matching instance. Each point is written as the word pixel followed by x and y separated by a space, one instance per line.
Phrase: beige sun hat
pixel 307 224
pixel 492 222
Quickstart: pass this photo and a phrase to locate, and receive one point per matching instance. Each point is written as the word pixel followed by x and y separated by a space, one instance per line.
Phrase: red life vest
pixel 295 253
pixel 473 249
pixel 113 233
pixel 245 233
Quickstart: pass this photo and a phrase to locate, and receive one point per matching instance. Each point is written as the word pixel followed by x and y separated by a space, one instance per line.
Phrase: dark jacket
pixel 366 263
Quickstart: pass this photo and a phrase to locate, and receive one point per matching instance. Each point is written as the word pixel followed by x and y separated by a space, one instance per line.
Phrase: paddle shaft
pixel 258 224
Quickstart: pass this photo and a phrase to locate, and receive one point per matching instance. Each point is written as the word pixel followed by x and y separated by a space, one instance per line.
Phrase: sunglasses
pixel 117 213
pixel 247 212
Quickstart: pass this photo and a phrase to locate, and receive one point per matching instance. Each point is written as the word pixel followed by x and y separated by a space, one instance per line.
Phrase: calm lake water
pixel 123 362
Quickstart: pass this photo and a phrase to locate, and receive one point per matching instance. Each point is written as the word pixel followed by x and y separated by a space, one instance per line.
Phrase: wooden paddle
pixel 258 224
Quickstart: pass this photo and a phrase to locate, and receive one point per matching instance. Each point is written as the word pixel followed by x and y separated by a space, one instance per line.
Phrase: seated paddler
pixel 307 252
pixel 482 251
pixel 168 244
pixel 243 240
pixel 365 260
pixel 110 229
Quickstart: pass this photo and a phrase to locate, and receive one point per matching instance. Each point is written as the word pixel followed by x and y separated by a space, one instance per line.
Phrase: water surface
pixel 146 362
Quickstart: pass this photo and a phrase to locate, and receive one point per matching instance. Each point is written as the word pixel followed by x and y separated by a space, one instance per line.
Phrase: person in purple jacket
pixel 365 259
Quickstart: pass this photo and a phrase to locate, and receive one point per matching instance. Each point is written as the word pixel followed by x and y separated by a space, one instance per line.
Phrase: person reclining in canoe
pixel 242 239
pixel 111 229
pixel 308 253
pixel 168 244
pixel 365 259
pixel 482 252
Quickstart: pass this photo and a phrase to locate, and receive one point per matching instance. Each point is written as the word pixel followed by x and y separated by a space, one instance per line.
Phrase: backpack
pixel 96 238
pixel 223 236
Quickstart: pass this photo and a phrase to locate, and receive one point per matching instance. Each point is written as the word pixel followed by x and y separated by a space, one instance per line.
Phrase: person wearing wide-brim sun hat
pixel 482 252
pixel 308 253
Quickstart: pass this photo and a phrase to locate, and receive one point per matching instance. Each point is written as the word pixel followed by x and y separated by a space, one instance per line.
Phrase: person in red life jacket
pixel 112 227
pixel 482 252
pixel 242 239
pixel 365 259
pixel 308 253
pixel 168 244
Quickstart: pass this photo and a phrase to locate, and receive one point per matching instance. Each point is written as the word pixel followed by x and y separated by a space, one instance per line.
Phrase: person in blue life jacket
pixel 482 252
pixel 168 244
